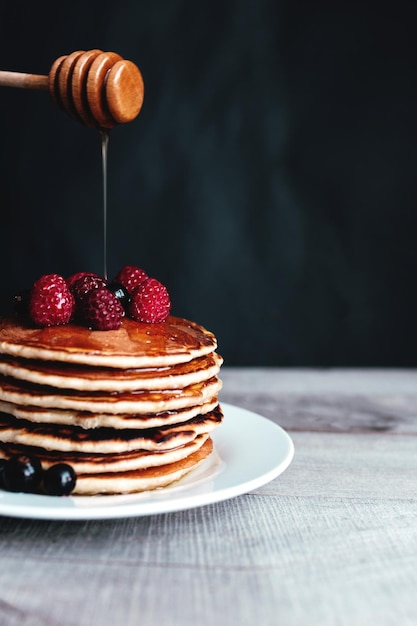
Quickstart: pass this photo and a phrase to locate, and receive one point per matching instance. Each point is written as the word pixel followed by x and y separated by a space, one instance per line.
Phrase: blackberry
pixel 121 293
pixel 59 480
pixel 22 473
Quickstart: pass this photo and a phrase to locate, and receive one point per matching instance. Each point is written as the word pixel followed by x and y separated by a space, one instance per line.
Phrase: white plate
pixel 249 451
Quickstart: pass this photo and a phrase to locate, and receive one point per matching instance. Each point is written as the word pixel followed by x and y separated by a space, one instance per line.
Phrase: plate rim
pixel 185 493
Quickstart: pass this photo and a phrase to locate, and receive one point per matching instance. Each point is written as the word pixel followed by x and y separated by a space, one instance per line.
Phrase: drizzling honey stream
pixel 99 89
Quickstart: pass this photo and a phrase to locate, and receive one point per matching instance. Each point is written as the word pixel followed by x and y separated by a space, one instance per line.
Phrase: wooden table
pixel 332 541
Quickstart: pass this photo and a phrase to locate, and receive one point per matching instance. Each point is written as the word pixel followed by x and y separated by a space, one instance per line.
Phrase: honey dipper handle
pixel 24 81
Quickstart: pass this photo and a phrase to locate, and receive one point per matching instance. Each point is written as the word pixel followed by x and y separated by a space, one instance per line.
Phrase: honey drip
pixel 104 153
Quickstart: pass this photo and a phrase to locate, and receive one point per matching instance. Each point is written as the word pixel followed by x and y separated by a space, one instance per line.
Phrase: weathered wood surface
pixel 333 541
pixel 328 400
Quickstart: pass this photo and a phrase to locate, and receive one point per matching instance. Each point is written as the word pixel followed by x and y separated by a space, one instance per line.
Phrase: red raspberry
pixel 130 277
pixel 71 279
pixel 101 310
pixel 51 303
pixel 83 285
pixel 150 302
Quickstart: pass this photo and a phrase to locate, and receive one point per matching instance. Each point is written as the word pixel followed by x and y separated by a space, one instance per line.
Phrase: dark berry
pixel 21 303
pixel 3 463
pixel 59 480
pixel 130 277
pixel 120 292
pixel 101 310
pixel 150 302
pixel 51 302
pixel 22 473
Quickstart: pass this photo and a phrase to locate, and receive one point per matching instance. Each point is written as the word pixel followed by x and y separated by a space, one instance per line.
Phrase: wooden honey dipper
pixel 99 89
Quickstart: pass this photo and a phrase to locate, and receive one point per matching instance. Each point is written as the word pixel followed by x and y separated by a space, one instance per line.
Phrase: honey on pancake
pixel 138 344
pixel 118 440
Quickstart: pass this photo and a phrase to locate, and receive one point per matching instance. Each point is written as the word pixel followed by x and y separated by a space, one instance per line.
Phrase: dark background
pixel 269 181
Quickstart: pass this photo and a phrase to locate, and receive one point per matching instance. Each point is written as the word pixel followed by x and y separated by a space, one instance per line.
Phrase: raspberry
pixel 51 303
pixel 83 285
pixel 71 279
pixel 130 277
pixel 150 302
pixel 101 310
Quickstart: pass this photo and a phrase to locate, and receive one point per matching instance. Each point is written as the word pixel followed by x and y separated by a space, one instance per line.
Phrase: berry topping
pixel 71 279
pixel 101 310
pixel 150 302
pixel 88 299
pixel 22 473
pixel 83 285
pixel 130 277
pixel 120 292
pixel 51 302
pixel 59 480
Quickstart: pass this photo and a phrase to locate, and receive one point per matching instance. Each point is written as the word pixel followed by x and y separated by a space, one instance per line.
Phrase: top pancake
pixel 134 344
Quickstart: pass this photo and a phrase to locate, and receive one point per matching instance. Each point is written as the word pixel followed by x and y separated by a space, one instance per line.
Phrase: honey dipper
pixel 99 89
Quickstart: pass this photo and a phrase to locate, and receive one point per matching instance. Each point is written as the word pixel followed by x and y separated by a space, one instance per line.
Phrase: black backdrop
pixel 269 180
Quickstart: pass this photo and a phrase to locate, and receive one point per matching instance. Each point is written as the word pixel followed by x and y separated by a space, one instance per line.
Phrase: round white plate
pixel 249 451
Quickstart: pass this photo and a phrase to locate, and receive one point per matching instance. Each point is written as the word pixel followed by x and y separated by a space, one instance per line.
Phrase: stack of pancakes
pixel 129 409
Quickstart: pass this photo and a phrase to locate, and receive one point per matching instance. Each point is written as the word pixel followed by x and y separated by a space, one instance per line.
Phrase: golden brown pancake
pixel 136 480
pixel 96 463
pixel 89 378
pixel 141 480
pixel 130 409
pixel 105 440
pixel 86 419
pixel 134 344
pixel 133 402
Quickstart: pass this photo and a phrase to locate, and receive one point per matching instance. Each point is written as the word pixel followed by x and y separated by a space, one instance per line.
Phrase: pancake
pixel 95 463
pixel 86 419
pixel 141 480
pixel 72 376
pixel 134 402
pixel 134 344
pixel 131 481
pixel 105 440
pixel 130 409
